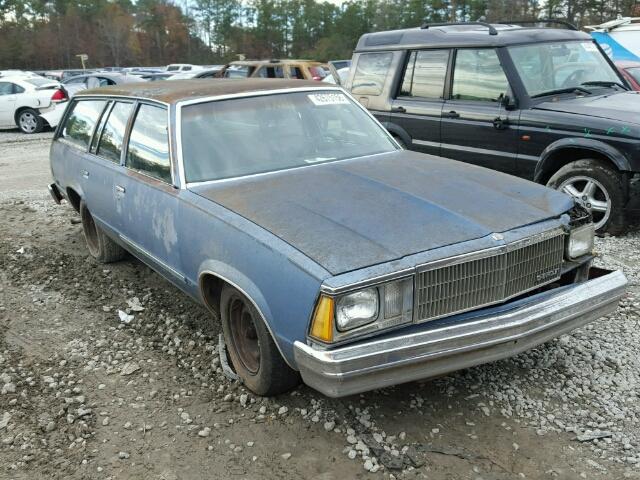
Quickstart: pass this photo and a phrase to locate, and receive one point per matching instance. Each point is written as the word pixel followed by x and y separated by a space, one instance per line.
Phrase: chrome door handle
pixel 85 174
pixel 120 189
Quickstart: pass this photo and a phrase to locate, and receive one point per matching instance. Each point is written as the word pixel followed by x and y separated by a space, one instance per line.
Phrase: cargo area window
pixel 80 123
pixel 478 76
pixel 425 74
pixel 112 136
pixel 371 73
pixel 148 150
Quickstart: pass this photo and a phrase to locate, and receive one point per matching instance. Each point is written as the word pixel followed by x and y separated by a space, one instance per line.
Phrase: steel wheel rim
pixel 28 122
pixel 592 195
pixel 244 335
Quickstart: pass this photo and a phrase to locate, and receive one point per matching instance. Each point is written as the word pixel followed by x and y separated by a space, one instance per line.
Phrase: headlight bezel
pixel 381 321
pixel 584 234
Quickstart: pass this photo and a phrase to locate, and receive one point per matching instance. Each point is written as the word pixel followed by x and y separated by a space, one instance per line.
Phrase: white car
pixel 30 103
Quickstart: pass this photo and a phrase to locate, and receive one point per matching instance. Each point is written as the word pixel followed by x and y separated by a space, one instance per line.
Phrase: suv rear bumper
pixel 443 349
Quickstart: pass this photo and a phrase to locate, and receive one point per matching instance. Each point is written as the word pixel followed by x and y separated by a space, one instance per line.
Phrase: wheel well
pixel 74 199
pixel 18 111
pixel 562 157
pixel 211 288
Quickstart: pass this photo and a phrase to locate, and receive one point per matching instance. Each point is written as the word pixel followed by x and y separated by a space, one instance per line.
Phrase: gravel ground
pixel 86 395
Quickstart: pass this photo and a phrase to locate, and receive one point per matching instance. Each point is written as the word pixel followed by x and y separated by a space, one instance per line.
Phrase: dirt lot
pixel 85 396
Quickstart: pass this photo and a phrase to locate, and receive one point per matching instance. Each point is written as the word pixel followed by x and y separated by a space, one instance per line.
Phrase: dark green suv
pixel 542 103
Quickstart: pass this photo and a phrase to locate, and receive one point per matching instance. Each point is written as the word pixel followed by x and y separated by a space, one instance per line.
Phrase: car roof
pixel 285 61
pixel 464 36
pixel 180 90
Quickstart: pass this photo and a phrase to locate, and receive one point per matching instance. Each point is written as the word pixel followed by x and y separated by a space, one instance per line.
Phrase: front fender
pixel 602 148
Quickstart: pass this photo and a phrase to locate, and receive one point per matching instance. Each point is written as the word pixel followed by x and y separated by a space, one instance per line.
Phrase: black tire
pixel 264 371
pixel 400 142
pixel 29 121
pixel 100 246
pixel 609 179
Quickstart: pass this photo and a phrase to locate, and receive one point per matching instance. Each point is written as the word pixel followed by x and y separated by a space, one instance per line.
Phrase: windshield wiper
pixel 605 83
pixel 562 90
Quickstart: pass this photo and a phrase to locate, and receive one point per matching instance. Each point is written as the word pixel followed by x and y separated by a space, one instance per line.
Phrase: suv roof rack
pixel 569 25
pixel 491 28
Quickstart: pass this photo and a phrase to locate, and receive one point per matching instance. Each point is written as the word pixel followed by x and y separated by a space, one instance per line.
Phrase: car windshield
pixel 549 67
pixel 249 135
pixel 38 82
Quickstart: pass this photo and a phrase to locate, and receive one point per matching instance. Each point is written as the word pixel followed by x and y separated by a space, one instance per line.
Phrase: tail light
pixel 59 96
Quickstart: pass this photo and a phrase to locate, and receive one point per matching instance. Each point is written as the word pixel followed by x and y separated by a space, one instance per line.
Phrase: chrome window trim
pixel 258 93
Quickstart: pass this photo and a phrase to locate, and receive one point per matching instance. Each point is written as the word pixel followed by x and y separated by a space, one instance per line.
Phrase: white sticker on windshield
pixel 328 98
pixel 590 47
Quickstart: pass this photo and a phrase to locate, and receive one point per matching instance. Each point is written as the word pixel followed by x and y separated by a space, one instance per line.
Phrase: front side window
pixel 548 67
pixel 81 122
pixel 148 150
pixel 286 130
pixel 110 144
pixel 425 74
pixel 371 73
pixel 478 76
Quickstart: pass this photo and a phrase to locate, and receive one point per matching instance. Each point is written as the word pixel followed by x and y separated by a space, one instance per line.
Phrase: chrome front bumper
pixel 395 359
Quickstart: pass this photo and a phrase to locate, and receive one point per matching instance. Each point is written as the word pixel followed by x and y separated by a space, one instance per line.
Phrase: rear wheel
pixel 100 246
pixel 597 187
pixel 30 121
pixel 253 352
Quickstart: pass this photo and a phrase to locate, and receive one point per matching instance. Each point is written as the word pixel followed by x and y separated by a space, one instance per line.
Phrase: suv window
pixel 296 72
pixel 148 150
pixel 371 73
pixel 270 72
pixel 425 74
pixel 478 76
pixel 110 144
pixel 81 121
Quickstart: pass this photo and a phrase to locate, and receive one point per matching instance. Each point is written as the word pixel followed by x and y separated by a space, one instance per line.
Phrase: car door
pixel 91 175
pixel 476 126
pixel 7 104
pixel 417 107
pixel 146 199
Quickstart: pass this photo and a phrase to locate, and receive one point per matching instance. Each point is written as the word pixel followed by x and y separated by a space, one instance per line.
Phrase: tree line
pixel 47 34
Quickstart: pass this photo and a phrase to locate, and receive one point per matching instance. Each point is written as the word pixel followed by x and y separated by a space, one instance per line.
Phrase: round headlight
pixel 357 309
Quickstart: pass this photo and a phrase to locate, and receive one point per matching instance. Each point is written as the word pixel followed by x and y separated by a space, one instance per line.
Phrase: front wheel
pixel 598 188
pixel 30 121
pixel 253 352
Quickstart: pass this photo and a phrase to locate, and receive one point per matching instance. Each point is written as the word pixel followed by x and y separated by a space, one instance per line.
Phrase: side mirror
pixel 507 102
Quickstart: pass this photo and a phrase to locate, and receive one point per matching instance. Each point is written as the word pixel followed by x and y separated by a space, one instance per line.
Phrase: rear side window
pixel 478 76
pixel 81 122
pixel 425 74
pixel 110 144
pixel 371 73
pixel 6 88
pixel 295 72
pixel 149 143
pixel 270 72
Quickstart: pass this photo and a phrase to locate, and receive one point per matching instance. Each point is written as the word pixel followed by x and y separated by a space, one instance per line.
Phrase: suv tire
pixel 606 185
pixel 100 246
pixel 253 352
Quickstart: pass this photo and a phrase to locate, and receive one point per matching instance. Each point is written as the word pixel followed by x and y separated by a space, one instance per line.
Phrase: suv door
pixel 476 127
pixel 148 202
pixel 417 107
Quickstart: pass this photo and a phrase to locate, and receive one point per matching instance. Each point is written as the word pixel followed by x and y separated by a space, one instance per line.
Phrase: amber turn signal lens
pixel 322 323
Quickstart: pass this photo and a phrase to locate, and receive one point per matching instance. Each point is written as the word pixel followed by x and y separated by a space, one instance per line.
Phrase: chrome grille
pixel 513 270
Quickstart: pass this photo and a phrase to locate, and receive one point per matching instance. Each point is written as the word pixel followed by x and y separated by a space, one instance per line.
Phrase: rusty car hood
pixel 347 215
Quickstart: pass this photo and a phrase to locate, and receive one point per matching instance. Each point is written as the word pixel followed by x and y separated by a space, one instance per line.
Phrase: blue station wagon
pixel 326 251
